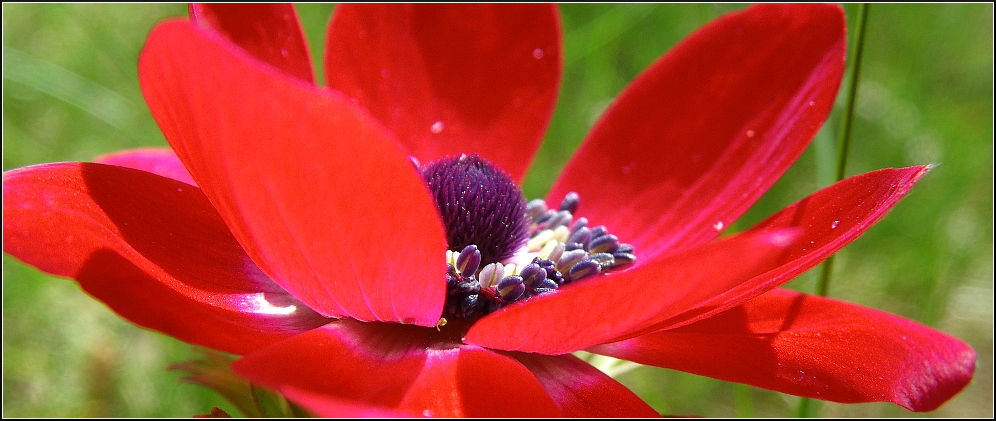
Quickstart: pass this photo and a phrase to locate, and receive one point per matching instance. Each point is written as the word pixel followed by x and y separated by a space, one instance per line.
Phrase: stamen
pixel 570 203
pixel 570 259
pixel 510 288
pixel 535 208
pixel 605 260
pixel 492 274
pixel 487 219
pixel 606 243
pixel 584 269
pixel 533 276
pixel 581 236
pixel 469 260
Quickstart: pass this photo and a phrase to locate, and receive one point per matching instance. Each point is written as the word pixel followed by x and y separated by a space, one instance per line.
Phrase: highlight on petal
pixel 452 78
pixel 616 304
pixel 707 129
pixel 814 347
pixel 269 32
pixel 674 290
pixel 151 248
pixel 581 391
pixel 396 367
pixel 159 161
pixel 317 192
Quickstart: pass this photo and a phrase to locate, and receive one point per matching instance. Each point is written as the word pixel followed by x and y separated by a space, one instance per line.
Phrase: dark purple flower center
pixel 480 205
pixel 502 249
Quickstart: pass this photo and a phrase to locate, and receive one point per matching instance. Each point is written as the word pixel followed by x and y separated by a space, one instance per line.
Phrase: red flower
pixel 312 246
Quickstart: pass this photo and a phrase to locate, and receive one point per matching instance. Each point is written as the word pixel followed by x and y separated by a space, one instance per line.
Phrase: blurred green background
pixel 70 92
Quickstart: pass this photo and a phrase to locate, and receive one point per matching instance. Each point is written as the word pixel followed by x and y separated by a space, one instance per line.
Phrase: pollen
pixel 504 250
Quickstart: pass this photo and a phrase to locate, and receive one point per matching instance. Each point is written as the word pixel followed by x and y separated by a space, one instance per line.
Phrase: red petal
pixel 329 407
pixel 398 367
pixel 673 290
pixel 452 79
pixel 159 161
pixel 270 32
pixel 815 347
pixel 151 248
pixel 599 310
pixel 831 218
pixel 709 127
pixel 315 191
pixel 581 391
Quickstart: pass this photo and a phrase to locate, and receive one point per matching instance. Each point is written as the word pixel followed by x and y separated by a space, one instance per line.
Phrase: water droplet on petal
pixel 812 103
pixel 538 53
pixel 750 133
pixel 437 127
pixel 718 226
pixel 283 52
pixel 835 224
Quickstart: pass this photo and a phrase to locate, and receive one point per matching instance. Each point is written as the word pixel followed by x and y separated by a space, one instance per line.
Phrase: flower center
pixel 480 204
pixel 502 249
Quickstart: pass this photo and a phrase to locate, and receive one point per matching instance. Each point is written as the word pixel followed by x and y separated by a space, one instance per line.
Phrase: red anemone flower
pixel 288 225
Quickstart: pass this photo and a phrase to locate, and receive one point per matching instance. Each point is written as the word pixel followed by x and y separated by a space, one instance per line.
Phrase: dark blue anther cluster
pixel 595 242
pixel 466 298
pixel 488 220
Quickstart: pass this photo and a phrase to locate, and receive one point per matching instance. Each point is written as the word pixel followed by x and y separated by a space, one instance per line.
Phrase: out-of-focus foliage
pixel 70 92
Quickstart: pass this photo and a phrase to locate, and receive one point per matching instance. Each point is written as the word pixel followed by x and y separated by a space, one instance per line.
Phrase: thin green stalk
pixel 743 401
pixel 854 73
pixel 806 407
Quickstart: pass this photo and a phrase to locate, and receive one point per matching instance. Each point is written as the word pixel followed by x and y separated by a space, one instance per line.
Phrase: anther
pixel 510 288
pixel 583 270
pixel 536 208
pixel 469 260
pixel 579 223
pixel 574 246
pixel 545 216
pixel 548 285
pixel 533 276
pixel 544 252
pixel 605 260
pixel 471 286
pixel 491 274
pixel 606 243
pixel 557 252
pixel 571 258
pixel 623 258
pixel 582 236
pixel 571 202
pixel 562 218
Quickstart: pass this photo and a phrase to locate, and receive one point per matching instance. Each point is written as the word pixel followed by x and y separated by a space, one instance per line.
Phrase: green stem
pixel 845 131
pixel 743 401
pixel 806 407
